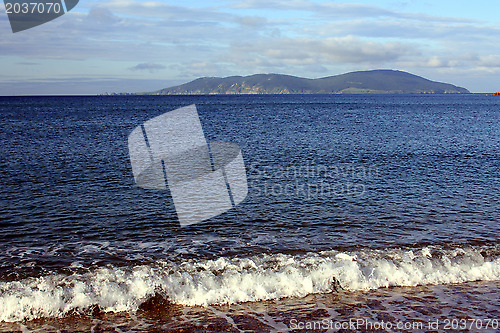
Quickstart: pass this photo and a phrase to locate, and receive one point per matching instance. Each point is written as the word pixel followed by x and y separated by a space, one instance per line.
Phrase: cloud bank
pixel 111 39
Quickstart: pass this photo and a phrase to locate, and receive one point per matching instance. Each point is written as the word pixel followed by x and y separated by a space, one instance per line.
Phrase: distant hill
pixel 364 82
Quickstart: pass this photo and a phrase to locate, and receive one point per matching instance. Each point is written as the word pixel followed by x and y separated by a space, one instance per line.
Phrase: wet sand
pixel 467 307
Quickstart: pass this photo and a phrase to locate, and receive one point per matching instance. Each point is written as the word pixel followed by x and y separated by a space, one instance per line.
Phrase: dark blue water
pixel 324 172
pixel 342 173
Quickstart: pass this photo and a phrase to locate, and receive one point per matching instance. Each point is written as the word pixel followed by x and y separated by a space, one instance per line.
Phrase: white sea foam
pixel 228 280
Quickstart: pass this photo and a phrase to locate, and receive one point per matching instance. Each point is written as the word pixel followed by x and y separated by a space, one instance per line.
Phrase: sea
pixel 364 213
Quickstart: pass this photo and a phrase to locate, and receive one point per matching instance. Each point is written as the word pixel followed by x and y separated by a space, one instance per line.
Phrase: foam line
pixel 230 280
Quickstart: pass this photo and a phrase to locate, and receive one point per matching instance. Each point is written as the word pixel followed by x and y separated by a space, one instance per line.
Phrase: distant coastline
pixel 362 82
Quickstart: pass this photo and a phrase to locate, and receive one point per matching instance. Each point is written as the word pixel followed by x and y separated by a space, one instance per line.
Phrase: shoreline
pixel 465 307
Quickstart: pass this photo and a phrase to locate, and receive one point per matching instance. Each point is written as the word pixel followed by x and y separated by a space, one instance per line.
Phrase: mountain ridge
pixel 360 82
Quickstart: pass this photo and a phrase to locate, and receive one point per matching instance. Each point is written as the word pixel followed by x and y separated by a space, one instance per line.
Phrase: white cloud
pixel 308 51
pixel 491 60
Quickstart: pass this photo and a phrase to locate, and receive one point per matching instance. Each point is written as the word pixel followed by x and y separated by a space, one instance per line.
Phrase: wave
pixel 229 280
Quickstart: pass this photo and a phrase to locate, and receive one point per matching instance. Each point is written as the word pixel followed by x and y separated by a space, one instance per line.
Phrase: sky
pixel 136 46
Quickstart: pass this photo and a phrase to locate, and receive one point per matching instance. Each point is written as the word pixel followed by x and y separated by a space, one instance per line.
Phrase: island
pixel 361 82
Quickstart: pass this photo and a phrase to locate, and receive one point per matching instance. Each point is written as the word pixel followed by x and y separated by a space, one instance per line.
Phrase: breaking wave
pixel 238 279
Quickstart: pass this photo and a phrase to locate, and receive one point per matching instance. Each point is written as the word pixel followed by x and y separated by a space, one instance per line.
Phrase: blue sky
pixel 133 46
